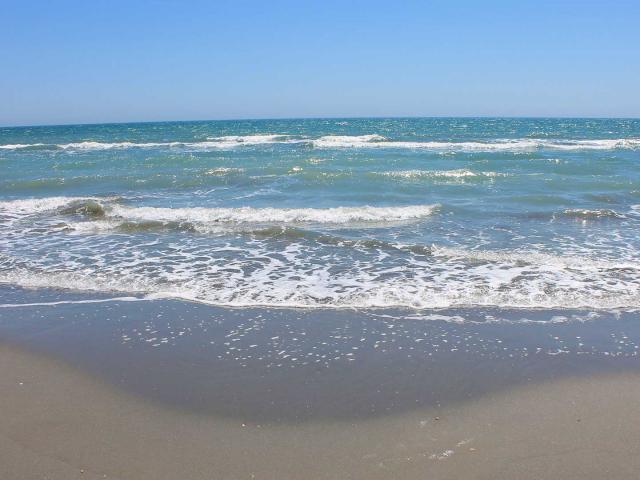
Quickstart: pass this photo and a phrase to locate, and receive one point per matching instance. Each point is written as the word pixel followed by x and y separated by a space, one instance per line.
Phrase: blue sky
pixel 108 61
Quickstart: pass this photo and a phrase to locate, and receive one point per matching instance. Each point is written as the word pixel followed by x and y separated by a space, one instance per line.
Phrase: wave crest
pixel 32 206
pixel 113 214
pixel 587 214
pixel 455 174
pixel 335 215
pixel 350 141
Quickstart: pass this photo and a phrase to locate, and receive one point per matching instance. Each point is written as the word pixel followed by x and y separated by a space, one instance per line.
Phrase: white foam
pixel 336 215
pixel 30 206
pixel 18 146
pixel 107 146
pixel 224 142
pixel 213 219
pixel 586 213
pixel 606 144
pixel 223 171
pixel 458 173
pixel 251 139
pixel 499 145
pixel 71 302
pixel 336 141
pixel 354 141
pixel 302 275
pixel 534 258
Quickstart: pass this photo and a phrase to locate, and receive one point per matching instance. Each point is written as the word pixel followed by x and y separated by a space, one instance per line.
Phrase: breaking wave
pixel 336 215
pixel 451 174
pixel 348 141
pixel 108 214
pixel 587 214
pixel 224 142
pixel 504 145
pixel 34 206
pixel 298 277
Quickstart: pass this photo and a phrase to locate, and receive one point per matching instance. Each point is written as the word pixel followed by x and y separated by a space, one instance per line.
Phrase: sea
pixel 414 215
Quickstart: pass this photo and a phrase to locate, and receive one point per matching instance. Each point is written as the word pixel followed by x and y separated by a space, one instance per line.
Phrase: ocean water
pixel 409 214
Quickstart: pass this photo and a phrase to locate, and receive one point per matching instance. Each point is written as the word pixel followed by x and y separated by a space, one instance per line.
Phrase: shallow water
pixel 366 213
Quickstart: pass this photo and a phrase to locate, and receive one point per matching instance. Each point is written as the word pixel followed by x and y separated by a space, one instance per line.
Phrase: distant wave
pixel 221 171
pixel 349 141
pixel 462 173
pixel 506 145
pixel 19 146
pixel 338 141
pixel 224 142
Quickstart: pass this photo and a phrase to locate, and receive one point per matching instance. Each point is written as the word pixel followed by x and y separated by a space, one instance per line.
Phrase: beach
pixel 79 401
pixel 288 240
pixel 321 298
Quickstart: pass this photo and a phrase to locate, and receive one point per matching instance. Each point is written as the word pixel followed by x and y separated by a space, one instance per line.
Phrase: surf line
pixel 70 302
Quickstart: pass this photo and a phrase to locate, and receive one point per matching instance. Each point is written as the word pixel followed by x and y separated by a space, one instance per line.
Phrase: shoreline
pixel 286 366
pixel 164 389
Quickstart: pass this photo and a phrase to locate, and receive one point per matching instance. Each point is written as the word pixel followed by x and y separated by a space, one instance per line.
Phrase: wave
pixel 349 141
pixel 222 171
pixel 446 279
pixel 234 140
pixel 335 215
pixel 108 214
pixel 336 141
pixel 587 214
pixel 524 258
pixel 32 206
pixel 456 174
pixel 20 146
pixel 285 233
pixel 223 142
pixel 500 145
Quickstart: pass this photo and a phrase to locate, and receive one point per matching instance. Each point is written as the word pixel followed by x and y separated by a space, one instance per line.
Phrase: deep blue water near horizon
pixel 434 213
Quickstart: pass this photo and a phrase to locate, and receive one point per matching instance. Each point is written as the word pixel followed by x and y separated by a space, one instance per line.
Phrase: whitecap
pixel 335 215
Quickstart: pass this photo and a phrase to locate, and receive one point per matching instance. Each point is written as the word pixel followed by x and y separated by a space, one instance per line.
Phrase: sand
pixel 57 422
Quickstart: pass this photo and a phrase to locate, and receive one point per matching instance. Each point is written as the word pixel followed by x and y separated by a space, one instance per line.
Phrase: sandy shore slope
pixel 58 423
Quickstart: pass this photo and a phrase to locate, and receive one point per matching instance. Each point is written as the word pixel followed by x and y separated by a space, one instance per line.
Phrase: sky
pixel 79 61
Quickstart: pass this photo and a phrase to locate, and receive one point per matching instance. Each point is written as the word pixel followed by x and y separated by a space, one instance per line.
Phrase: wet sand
pixel 59 423
pixel 169 389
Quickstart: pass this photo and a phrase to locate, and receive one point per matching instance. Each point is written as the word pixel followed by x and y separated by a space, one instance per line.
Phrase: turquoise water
pixel 412 213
